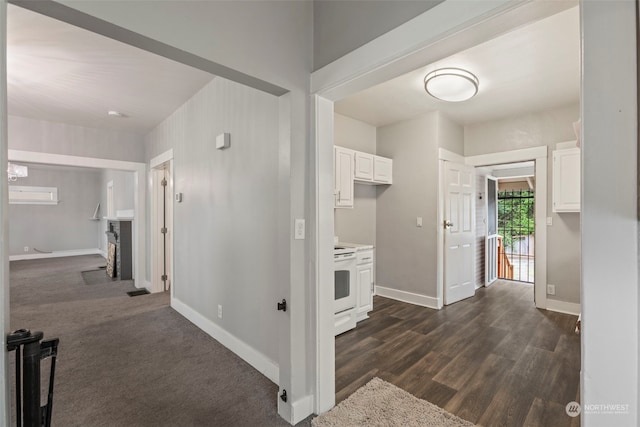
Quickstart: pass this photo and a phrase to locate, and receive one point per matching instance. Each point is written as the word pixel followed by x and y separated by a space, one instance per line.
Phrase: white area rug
pixel 379 403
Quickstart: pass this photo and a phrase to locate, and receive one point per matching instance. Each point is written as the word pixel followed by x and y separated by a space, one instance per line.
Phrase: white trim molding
pixel 563 307
pixel 300 409
pixel 410 297
pixel 259 361
pixel 450 156
pixel 512 156
pixel 161 159
pixel 539 155
pixel 56 254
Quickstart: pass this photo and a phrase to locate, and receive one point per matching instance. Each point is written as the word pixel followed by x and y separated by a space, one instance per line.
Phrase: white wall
pixel 60 138
pixel 65 226
pixel 450 134
pixel 406 255
pixel 531 130
pixel 123 198
pixel 226 225
pixel 609 212
pixel 356 225
pixel 123 190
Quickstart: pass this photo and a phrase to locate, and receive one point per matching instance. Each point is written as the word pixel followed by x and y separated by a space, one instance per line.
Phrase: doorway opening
pixel 510 222
pixel 162 222
pixel 516 232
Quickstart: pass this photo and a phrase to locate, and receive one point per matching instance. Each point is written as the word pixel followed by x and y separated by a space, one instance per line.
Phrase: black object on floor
pixel 138 292
pixel 33 350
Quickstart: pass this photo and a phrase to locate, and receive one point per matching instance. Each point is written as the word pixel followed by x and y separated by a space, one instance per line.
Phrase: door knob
pixel 448 224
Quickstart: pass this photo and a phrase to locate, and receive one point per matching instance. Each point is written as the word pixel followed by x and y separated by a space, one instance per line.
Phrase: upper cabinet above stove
pixel 350 166
pixel 372 169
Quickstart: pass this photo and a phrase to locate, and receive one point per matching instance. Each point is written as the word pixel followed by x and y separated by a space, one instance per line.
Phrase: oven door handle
pixel 344 257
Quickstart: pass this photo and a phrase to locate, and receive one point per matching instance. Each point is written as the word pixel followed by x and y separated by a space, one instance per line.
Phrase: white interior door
pixel 491 241
pixel 161 228
pixel 459 235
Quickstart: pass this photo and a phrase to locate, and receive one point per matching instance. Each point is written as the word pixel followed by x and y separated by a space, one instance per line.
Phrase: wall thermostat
pixel 223 141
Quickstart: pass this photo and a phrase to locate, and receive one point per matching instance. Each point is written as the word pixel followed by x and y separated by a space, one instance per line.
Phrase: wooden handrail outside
pixel 505 269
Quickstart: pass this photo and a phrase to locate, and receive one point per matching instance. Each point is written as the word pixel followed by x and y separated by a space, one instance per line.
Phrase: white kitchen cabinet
pixel 365 283
pixel 343 166
pixel 382 170
pixel 364 166
pixel 372 169
pixel 566 180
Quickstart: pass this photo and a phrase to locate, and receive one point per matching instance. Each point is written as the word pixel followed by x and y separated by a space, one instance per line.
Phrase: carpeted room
pixel 125 361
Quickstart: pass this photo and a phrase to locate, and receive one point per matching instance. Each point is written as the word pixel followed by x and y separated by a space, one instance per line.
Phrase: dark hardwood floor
pixel 493 359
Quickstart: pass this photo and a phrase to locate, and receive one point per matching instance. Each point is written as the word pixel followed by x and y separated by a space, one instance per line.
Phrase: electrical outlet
pixel 219 311
pixel 551 289
pixel 26 248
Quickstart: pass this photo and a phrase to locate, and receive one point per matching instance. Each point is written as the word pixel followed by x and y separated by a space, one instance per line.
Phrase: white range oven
pixel 344 261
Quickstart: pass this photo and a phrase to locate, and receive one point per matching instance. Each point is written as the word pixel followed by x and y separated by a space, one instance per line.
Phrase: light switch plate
pixel 549 220
pixel 419 221
pixel 299 229
pixel 179 197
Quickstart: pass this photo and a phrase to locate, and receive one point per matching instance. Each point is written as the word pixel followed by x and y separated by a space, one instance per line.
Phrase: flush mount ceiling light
pixel 451 84
pixel 114 113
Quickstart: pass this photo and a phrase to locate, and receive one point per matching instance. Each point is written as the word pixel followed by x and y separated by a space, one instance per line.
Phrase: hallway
pixel 132 361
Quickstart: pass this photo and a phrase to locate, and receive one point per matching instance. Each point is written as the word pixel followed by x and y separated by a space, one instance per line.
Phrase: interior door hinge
pixel 163 230
pixel 163 182
pixel 164 278
pixel 282 305
pixel 283 396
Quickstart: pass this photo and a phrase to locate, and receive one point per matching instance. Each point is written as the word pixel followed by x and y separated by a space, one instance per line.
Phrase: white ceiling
pixel 533 68
pixel 62 73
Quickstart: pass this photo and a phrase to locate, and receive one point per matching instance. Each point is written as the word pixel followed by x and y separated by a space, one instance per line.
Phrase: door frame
pixel 160 162
pixel 539 155
pixel 447 28
pixel 488 178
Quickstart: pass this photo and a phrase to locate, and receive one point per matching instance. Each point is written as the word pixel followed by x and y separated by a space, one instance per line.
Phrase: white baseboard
pixel 301 409
pixel 563 307
pixel 56 254
pixel 250 355
pixel 297 411
pixel 409 297
pixel 103 253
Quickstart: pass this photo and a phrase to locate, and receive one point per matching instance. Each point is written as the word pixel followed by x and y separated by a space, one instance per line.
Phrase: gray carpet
pixel 96 277
pixel 132 361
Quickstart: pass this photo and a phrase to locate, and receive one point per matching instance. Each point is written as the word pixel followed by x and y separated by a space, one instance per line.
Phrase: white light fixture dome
pixel 451 84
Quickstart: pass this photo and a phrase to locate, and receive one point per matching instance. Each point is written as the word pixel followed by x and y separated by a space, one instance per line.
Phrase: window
pixel 27 195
